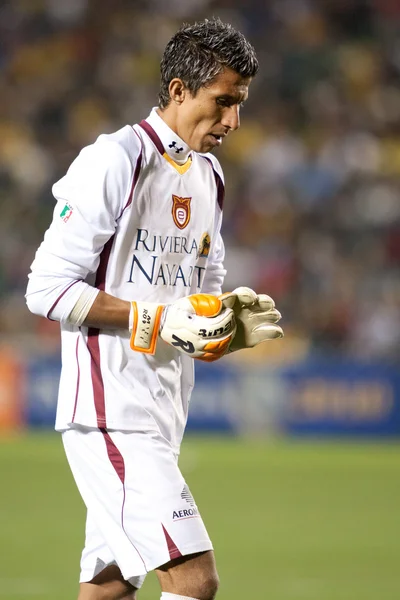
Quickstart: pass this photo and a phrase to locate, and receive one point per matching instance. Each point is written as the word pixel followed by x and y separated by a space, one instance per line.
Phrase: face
pixel 204 120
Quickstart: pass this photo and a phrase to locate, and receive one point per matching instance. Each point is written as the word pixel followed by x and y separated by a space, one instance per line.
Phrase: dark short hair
pixel 198 53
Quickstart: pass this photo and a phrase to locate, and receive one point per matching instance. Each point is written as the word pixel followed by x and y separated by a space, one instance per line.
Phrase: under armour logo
pixel 173 145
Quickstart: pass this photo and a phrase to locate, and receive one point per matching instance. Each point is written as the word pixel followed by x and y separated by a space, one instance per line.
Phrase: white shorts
pixel 140 512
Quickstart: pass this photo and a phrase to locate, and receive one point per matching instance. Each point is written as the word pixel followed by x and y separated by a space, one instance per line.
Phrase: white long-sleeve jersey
pixel 138 215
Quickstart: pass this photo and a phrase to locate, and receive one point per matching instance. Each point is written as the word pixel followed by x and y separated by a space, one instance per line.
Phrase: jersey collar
pixel 166 140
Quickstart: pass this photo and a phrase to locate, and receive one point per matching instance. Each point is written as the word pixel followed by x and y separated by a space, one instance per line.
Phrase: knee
pixel 206 586
pixel 194 576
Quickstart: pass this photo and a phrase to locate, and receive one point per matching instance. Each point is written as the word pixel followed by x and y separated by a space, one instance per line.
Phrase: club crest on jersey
pixel 180 211
pixel 66 212
pixel 204 246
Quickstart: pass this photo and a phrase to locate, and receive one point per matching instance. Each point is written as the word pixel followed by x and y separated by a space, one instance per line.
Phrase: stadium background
pixel 292 452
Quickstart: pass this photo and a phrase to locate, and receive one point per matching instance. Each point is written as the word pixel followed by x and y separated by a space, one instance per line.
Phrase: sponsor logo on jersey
pixel 186 495
pixel 180 211
pixel 186 513
pixel 204 246
pixel 66 212
pixel 159 259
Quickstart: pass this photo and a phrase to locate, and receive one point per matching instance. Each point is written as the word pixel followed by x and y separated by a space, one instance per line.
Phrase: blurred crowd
pixel 312 211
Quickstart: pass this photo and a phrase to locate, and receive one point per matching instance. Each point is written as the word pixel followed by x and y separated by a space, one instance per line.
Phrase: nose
pixel 231 117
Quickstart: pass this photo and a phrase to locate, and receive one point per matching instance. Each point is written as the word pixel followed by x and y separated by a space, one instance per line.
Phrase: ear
pixel 177 90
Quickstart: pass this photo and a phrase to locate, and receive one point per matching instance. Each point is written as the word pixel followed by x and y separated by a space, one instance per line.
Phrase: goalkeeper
pixel 132 268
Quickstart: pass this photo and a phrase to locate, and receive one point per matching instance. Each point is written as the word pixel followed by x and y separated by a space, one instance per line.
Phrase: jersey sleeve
pixel 215 271
pixel 89 200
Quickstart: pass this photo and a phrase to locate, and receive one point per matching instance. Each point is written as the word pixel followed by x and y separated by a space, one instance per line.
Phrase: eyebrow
pixel 239 99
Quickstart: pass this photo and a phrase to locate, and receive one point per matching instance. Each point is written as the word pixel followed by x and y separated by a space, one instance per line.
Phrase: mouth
pixel 217 138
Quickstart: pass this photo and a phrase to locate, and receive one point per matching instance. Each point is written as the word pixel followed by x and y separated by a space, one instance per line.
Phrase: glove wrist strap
pixel 144 325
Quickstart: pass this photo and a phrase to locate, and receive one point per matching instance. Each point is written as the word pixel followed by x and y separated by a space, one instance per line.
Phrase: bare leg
pixel 107 585
pixel 194 575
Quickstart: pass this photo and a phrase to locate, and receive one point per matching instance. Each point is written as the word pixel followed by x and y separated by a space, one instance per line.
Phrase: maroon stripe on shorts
pixel 93 342
pixel 115 456
pixel 153 136
pixel 117 461
pixel 172 547
pixel 78 378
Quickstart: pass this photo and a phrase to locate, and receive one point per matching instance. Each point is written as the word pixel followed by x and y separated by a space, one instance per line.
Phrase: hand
pixel 197 325
pixel 256 318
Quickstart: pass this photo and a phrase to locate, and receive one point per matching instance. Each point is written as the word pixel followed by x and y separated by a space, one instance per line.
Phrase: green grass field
pixel 289 520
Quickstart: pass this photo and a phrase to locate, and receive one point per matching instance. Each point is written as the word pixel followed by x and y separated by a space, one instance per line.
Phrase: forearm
pixel 108 312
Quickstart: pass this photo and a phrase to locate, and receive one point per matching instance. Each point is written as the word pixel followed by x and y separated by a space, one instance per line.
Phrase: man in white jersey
pixel 132 267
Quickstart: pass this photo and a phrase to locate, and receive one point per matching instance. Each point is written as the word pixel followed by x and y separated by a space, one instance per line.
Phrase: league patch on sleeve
pixel 204 246
pixel 66 212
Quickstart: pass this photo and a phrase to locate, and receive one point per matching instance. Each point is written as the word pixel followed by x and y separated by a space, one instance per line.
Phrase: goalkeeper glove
pixel 197 325
pixel 255 315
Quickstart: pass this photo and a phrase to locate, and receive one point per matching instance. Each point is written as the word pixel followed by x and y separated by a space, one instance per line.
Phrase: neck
pixel 170 116
pixel 163 124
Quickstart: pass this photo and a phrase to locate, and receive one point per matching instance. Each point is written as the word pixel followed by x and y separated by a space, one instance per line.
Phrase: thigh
pixel 98 562
pixel 137 497
pixel 109 583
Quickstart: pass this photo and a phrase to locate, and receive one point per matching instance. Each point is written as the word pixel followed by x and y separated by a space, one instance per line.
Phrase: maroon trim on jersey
pixel 97 377
pixel 135 177
pixel 172 547
pixel 219 183
pixel 93 342
pixel 117 461
pixel 100 282
pixel 78 378
pixel 59 298
pixel 134 182
pixel 153 136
